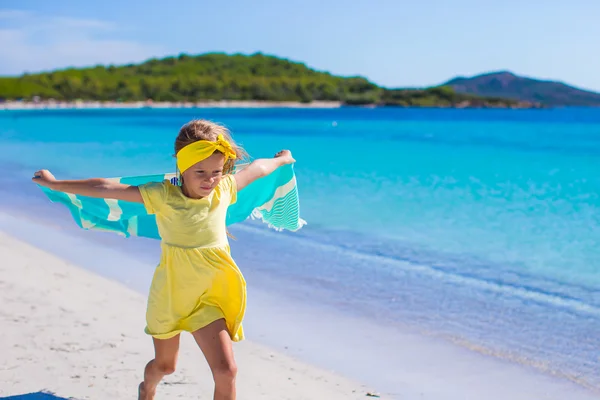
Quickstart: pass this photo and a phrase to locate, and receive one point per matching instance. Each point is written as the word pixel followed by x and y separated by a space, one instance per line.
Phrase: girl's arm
pixel 261 168
pixel 93 187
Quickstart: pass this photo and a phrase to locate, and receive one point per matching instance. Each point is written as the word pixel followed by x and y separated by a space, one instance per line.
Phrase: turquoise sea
pixel 477 226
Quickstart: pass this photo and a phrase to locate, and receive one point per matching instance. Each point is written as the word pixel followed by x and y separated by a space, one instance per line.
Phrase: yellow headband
pixel 201 150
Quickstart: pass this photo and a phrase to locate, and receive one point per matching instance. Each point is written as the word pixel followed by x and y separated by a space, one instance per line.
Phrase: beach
pixel 47 104
pixel 77 335
pixel 74 334
pixel 466 267
pixel 434 233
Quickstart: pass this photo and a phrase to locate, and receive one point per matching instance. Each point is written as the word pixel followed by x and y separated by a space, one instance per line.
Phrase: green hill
pixel 219 76
pixel 508 85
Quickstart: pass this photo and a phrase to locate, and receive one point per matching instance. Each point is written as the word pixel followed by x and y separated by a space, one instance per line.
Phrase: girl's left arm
pixel 261 168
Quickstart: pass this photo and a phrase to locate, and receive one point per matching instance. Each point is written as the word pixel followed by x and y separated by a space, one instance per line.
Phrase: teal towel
pixel 273 199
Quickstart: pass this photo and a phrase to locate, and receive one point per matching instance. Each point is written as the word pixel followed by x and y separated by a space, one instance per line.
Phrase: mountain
pixel 220 76
pixel 508 85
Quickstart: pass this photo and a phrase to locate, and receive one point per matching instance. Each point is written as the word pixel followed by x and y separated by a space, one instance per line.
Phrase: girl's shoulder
pixel 155 194
pixel 228 187
pixel 228 182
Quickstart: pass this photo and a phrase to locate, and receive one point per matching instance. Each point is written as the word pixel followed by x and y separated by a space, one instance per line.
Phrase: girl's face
pixel 201 178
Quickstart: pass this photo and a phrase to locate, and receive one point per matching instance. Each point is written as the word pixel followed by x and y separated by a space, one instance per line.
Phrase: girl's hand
pixel 43 177
pixel 285 157
pixel 262 167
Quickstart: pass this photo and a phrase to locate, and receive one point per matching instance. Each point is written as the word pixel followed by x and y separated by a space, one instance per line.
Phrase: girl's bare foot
pixel 143 395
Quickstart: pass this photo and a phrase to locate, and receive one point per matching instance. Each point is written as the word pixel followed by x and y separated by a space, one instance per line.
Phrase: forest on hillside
pixel 219 76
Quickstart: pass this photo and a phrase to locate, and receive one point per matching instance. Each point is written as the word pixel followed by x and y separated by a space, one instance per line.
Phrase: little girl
pixel 197 286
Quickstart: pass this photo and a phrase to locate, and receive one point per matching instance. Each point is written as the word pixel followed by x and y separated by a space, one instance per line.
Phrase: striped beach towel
pixel 272 199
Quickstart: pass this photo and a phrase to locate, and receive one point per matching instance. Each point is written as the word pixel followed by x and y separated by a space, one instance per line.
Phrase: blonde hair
pixel 200 129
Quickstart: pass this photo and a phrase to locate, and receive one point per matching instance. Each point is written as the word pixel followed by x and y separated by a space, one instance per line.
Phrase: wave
pixel 461 270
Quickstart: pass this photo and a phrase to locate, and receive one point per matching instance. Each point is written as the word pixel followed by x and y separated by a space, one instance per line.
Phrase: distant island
pixel 236 79
pixel 508 85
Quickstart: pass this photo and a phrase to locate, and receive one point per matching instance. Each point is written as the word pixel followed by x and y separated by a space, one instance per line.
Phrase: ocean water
pixel 481 227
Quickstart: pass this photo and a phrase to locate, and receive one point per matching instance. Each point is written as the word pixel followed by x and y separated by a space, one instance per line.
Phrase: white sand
pixel 52 104
pixel 78 335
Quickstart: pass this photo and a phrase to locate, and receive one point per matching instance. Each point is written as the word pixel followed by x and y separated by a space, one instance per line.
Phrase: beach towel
pixel 272 199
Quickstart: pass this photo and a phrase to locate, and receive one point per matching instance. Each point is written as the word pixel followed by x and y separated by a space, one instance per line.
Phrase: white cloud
pixel 31 43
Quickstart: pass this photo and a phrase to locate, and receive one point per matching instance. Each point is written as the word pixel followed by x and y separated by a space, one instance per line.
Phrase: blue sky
pixel 393 43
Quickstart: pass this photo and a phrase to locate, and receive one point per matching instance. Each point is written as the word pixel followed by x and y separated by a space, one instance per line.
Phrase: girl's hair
pixel 200 129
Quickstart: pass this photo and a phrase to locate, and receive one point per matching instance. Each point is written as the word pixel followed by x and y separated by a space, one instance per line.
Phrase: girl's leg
pixel 165 360
pixel 215 343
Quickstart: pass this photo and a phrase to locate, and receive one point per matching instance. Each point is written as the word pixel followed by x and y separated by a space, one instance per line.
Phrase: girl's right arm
pixel 94 187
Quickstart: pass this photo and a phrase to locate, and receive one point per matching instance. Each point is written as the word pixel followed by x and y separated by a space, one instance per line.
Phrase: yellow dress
pixel 196 282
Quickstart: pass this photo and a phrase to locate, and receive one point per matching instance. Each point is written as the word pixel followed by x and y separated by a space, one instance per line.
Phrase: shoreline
pixel 12 105
pixel 92 105
pixel 423 367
